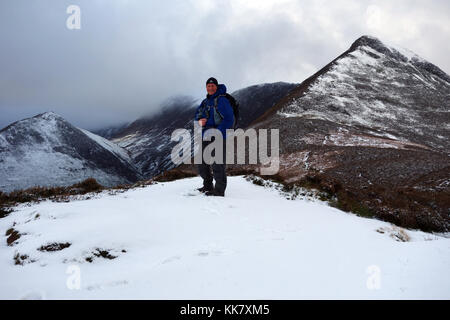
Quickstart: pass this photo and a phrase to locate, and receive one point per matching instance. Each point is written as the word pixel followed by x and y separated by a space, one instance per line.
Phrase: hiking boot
pixel 215 193
pixel 204 189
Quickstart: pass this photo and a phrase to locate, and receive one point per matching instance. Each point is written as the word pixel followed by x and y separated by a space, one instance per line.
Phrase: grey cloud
pixel 129 56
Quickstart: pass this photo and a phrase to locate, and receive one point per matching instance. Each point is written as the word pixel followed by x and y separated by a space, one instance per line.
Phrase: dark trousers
pixel 218 171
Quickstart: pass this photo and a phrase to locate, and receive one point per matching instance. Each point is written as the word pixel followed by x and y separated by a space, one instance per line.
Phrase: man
pixel 214 112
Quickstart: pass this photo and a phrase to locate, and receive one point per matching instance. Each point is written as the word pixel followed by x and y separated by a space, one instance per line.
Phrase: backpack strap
pixel 215 105
pixel 218 117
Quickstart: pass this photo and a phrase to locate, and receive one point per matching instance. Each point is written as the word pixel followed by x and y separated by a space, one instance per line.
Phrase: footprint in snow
pixel 191 193
pixel 209 253
pixel 107 284
pixel 34 295
pixel 211 210
pixel 214 252
pixel 171 259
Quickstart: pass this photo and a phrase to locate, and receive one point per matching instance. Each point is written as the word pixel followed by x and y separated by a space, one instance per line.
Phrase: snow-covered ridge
pixel 408 54
pixel 108 145
pixel 395 48
pixel 167 241
pixel 47 150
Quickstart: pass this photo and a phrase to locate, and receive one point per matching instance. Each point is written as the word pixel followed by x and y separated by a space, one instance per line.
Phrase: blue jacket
pixel 223 107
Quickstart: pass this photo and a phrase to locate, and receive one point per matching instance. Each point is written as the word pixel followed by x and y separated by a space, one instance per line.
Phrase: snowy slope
pixel 47 150
pixel 110 146
pixel 171 242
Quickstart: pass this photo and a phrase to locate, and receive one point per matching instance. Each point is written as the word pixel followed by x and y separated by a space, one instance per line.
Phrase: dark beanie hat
pixel 212 80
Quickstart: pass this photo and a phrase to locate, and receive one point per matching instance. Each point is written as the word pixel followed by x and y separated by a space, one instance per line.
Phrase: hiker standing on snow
pixel 214 112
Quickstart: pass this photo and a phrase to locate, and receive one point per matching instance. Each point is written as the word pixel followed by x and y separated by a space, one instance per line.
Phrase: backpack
pixel 234 105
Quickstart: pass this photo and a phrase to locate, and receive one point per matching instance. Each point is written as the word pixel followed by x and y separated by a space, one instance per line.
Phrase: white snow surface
pixel 252 244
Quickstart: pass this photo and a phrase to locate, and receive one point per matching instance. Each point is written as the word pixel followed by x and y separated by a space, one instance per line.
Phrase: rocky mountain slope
pixel 47 150
pixel 377 89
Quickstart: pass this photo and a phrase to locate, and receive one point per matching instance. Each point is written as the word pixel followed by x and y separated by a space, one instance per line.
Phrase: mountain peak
pixel 390 50
pixel 367 40
pixel 49 115
pixel 397 53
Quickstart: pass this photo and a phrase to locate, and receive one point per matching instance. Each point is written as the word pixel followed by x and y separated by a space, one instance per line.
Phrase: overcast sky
pixel 129 55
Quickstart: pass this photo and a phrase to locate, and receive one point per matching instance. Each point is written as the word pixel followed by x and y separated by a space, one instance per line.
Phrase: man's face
pixel 211 88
